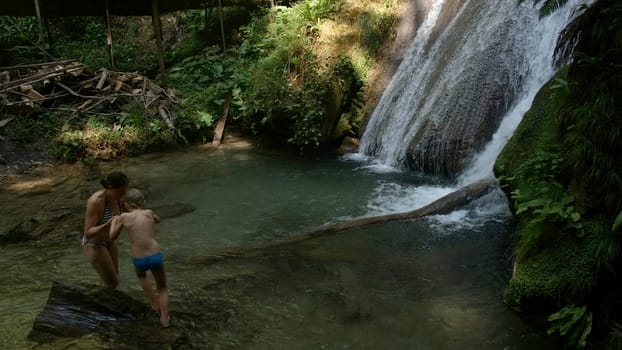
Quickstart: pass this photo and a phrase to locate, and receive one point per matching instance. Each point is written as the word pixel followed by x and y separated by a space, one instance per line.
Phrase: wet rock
pixel 77 310
pixel 349 144
pixel 173 210
pixel 20 233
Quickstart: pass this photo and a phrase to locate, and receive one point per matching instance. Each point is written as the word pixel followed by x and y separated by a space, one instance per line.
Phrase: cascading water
pixel 459 83
pixel 458 95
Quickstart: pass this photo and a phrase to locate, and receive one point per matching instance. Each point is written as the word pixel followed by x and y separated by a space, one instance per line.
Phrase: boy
pixel 146 254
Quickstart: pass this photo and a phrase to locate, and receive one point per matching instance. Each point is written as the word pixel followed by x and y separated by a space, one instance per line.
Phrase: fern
pixel 548 6
pixel 617 222
pixel 572 322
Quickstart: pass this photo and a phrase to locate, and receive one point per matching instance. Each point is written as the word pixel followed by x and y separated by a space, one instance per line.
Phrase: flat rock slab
pixel 73 311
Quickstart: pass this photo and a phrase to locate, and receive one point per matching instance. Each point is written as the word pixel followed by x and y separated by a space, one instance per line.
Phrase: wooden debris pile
pixel 74 87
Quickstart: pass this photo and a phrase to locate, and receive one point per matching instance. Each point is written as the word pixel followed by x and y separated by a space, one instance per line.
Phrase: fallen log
pixel 441 206
pixel 220 126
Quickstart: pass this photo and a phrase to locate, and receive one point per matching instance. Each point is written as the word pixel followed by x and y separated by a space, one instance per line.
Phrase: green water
pixel 429 284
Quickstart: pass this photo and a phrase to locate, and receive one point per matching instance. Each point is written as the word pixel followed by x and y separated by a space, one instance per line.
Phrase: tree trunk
pixel 443 205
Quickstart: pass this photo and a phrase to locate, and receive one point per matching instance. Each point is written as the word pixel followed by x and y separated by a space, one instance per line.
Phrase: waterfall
pixel 468 77
pixel 463 87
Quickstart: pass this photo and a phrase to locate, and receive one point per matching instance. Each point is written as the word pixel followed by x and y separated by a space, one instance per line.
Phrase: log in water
pixel 441 206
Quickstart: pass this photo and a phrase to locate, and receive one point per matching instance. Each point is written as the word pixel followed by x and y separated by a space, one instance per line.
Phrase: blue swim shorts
pixel 152 262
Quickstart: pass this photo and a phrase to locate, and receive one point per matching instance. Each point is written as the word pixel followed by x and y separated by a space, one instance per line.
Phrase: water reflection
pixel 410 285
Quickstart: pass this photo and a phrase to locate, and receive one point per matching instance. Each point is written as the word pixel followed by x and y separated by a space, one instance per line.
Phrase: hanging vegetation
pixel 567 188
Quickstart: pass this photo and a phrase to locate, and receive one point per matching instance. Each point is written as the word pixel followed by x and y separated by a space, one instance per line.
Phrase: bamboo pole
pixel 38 65
pixel 206 16
pixel 109 36
pixel 40 21
pixel 157 28
pixel 222 27
pixel 209 14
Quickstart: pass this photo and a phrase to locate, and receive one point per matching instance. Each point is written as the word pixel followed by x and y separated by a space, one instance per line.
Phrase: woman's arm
pixel 94 212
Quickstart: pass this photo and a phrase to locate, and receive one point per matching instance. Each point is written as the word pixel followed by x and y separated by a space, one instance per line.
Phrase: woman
pixel 102 253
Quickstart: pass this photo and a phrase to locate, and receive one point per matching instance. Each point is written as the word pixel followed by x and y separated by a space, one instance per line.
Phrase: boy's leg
pixel 148 289
pixel 160 279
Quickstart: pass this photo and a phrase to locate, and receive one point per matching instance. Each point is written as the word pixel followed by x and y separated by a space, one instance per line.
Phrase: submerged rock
pixel 21 232
pixel 173 210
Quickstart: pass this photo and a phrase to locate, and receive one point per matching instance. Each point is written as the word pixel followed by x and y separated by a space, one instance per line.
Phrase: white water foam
pixel 392 198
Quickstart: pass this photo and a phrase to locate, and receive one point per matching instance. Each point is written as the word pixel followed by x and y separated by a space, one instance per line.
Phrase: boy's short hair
pixel 134 197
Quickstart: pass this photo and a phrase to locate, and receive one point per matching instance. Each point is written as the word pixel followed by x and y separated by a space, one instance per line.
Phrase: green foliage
pixel 34 128
pixel 565 271
pixel 107 136
pixel 204 81
pixel 314 10
pixel 202 32
pixel 548 205
pixel 286 84
pixel 279 84
pixel 548 6
pixel 590 122
pixel 375 30
pixel 68 146
pixel 607 245
pixel 84 38
pixel 17 28
pixel 592 133
pixel 17 40
pixel 572 322
pixel 556 267
pixel 617 222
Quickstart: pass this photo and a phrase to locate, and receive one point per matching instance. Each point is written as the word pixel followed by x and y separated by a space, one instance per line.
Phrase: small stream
pixel 434 283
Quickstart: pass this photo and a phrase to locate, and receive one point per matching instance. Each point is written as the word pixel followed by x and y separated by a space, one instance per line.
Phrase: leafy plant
pixel 314 10
pixel 617 222
pixel 375 29
pixel 572 322
pixel 544 199
pixel 204 81
pixel 68 146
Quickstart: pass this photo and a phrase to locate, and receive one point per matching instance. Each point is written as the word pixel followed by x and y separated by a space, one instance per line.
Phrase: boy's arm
pixel 115 227
pixel 156 218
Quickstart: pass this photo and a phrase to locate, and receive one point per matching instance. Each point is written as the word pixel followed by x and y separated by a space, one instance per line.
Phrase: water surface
pixel 434 283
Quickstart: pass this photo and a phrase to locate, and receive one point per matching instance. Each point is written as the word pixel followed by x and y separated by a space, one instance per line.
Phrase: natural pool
pixel 433 283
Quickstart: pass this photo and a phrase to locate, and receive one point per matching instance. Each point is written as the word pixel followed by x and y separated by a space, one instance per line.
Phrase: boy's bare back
pixel 140 226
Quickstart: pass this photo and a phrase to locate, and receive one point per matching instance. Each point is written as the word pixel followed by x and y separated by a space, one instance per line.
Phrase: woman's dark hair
pixel 115 179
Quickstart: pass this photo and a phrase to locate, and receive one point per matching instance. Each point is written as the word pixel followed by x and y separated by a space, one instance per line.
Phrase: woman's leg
pixel 160 279
pixel 114 255
pixel 102 262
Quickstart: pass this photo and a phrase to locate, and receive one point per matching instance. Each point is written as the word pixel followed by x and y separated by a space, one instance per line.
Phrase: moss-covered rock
pixel 536 132
pixel 561 264
pixel 541 281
